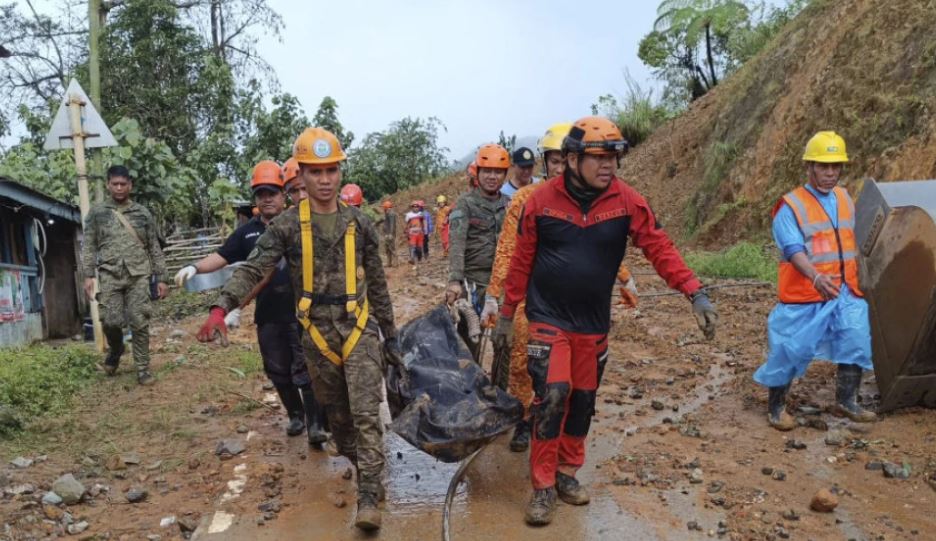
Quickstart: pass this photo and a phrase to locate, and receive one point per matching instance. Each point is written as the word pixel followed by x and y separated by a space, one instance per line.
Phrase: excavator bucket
pixel 896 233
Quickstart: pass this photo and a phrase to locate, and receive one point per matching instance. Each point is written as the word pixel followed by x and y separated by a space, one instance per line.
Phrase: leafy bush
pixel 41 379
pixel 637 114
pixel 743 260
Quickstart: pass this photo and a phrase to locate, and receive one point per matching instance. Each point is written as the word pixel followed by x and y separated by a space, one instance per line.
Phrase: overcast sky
pixel 480 66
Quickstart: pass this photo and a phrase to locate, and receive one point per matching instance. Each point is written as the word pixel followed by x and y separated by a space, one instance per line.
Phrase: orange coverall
pixel 519 384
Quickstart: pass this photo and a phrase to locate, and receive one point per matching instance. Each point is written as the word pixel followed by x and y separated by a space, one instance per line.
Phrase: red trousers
pixel 565 368
pixel 444 235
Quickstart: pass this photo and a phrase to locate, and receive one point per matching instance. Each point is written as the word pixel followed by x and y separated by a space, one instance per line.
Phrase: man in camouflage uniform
pixel 388 229
pixel 120 242
pixel 348 386
pixel 474 225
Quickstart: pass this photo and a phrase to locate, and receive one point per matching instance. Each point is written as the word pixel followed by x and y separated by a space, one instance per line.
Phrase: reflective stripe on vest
pixel 831 250
pixel 305 302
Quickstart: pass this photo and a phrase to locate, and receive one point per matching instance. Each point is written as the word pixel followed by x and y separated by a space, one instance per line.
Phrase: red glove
pixel 213 326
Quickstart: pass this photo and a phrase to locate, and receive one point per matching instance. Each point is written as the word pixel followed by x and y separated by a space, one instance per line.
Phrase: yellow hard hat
pixel 552 139
pixel 441 199
pixel 318 146
pixel 826 147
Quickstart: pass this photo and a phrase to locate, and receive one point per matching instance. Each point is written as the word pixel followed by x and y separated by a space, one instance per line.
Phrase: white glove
pixel 184 274
pixel 489 312
pixel 232 319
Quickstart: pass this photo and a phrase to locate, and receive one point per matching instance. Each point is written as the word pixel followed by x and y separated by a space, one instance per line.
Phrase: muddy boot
pixel 368 516
pixel 145 378
pixel 777 414
pixel 542 507
pixel 570 491
pixel 315 417
pixel 521 437
pixel 116 348
pixel 847 382
pixel 292 402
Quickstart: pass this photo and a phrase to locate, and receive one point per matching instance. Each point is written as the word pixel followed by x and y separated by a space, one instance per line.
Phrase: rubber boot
pixel 292 402
pixel 145 378
pixel 315 417
pixel 570 491
pixel 542 507
pixel 116 349
pixel 777 414
pixel 847 381
pixel 521 437
pixel 368 516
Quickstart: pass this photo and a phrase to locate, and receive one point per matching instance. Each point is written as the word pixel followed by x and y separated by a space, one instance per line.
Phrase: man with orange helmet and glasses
pixel 571 240
pixel 343 306
pixel 277 328
pixel 474 225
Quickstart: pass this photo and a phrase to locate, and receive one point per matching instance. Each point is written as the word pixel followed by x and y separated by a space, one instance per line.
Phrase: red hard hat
pixel 352 195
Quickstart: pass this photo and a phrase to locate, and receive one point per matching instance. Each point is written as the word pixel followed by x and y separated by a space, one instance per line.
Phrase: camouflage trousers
pixel 351 394
pixel 126 299
pixel 389 247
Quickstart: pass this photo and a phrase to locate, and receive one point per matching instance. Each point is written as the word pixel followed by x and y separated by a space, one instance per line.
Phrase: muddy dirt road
pixel 679 450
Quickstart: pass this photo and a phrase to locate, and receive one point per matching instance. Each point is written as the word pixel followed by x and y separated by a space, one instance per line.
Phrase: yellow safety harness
pixel 360 311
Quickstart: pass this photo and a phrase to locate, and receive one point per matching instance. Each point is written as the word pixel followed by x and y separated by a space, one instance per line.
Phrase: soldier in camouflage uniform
pixel 126 256
pixel 349 385
pixel 474 225
pixel 388 229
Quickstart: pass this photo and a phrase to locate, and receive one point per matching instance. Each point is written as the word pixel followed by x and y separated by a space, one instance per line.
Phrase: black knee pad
pixel 581 410
pixel 549 410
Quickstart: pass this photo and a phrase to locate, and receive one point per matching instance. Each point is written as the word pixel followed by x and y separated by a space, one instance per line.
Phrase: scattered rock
pixel 809 410
pixel 766 470
pixel 778 475
pixel 53 512
pixel 696 476
pixel 98 489
pixel 177 334
pixel 136 494
pixel 51 498
pixel 22 488
pixel 271 506
pixel 896 471
pixel 693 525
pixel 242 429
pixel 154 537
pixel 836 438
pixel 874 465
pixel 817 423
pixel 77 528
pixel 781 532
pixel 824 501
pixel 194 463
pixel 790 514
pixel 268 386
pixel 21 462
pixel 187 524
pixel 229 448
pixel 657 405
pixel 635 394
pixel 347 475
pixel 69 489
pixel 130 458
pixel 715 487
pixel 165 522
pixel 795 444
pixel 338 500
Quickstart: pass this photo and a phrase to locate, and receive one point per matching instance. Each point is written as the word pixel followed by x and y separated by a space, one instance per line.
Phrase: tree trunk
pixel 708 52
pixel 215 39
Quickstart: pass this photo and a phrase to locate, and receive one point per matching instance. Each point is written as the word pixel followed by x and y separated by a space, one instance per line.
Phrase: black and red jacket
pixel 566 260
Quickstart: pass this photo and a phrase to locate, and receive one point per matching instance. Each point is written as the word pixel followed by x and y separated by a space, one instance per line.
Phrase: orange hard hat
pixel 387 204
pixel 473 169
pixel 594 135
pixel 267 173
pixel 255 211
pixel 318 146
pixel 352 195
pixel 493 157
pixel 290 169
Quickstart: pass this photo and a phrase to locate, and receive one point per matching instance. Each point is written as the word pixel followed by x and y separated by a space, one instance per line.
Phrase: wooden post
pixel 95 20
pixel 84 202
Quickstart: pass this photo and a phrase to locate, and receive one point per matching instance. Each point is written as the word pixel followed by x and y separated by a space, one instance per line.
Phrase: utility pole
pixel 95 21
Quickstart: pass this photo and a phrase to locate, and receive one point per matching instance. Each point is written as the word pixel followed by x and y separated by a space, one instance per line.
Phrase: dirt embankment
pixel 860 67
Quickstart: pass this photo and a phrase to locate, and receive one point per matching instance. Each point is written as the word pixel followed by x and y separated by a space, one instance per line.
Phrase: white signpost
pixel 77 125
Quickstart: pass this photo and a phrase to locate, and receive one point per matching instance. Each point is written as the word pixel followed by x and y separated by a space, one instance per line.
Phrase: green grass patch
pixel 40 380
pixel 181 304
pixel 743 260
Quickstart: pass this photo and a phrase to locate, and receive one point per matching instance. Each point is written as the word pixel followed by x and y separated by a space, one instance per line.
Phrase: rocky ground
pixel 679 449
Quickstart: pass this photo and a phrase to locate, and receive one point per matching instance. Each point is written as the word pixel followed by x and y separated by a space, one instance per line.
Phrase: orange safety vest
pixel 831 250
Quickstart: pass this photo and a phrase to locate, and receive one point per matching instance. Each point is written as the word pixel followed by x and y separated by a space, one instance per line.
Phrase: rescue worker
pixel 523 161
pixel 294 186
pixel 429 227
pixel 821 313
pixel 472 173
pixel 442 220
pixel 475 223
pixel 121 244
pixel 340 289
pixel 519 383
pixel 278 332
pixel 415 229
pixel 388 228
pixel 352 195
pixel 571 240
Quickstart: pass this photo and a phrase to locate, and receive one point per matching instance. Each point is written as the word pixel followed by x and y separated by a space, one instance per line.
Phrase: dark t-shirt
pixel 275 303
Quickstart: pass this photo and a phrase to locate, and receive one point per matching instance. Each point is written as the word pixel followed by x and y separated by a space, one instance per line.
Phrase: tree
pixel 327 117
pixel 406 154
pixel 507 142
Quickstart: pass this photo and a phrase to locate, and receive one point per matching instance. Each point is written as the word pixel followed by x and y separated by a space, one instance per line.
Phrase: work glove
pixel 489 312
pixel 392 354
pixel 185 274
pixel 214 326
pixel 629 293
pixel 503 333
pixel 232 320
pixel 705 314
pixel 452 293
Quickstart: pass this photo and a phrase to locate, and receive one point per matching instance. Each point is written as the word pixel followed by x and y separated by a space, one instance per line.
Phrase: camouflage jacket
pixel 109 246
pixel 388 223
pixel 474 225
pixel 282 239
